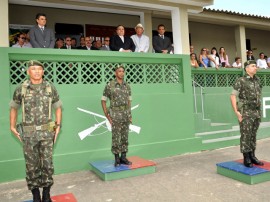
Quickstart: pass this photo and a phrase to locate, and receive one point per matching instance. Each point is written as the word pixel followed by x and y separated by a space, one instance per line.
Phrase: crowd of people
pixel 217 59
pixel 40 36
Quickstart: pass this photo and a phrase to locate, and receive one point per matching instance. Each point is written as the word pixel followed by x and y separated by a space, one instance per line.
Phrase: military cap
pixel 119 66
pixel 34 63
pixel 249 62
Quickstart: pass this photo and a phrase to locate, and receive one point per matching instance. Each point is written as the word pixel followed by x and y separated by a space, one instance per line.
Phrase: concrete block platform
pixel 107 171
pixel 69 197
pixel 236 170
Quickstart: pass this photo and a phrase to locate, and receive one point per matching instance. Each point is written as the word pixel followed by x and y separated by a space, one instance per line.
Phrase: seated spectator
pixel 261 62
pixel 59 43
pixel 120 42
pixel 106 45
pixel 20 38
pixel 237 62
pixel 162 43
pixel 27 40
pixel 205 59
pixel 97 44
pixel 224 59
pixel 191 50
pixel 214 55
pixel 82 43
pixel 268 62
pixel 88 44
pixel 73 42
pixel 140 40
pixel 250 55
pixel 193 61
pixel 67 43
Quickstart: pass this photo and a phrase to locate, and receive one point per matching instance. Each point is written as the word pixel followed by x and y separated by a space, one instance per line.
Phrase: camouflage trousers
pixel 120 137
pixel 248 130
pixel 38 150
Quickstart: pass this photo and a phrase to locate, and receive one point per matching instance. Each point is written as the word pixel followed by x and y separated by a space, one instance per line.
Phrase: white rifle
pixel 88 131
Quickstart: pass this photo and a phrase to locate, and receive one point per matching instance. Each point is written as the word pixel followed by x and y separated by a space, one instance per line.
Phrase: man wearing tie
pixel 40 36
pixel 162 43
pixel 250 55
pixel 120 42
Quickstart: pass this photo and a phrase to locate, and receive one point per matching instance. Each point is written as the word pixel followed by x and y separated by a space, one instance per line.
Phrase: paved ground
pixel 187 178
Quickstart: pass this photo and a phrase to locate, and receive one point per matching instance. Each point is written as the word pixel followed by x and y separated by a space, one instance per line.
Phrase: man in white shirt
pixel 140 40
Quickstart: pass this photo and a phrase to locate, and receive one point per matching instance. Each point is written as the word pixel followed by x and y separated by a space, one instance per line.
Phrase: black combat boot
pixel 124 160
pixel 254 159
pixel 247 160
pixel 117 160
pixel 46 194
pixel 36 195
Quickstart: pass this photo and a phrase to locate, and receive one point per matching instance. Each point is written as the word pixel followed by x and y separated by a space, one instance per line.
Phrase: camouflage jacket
pixel 36 102
pixel 249 92
pixel 119 96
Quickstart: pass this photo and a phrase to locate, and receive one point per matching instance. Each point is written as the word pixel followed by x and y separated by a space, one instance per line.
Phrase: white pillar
pixel 4 34
pixel 180 30
pixel 148 27
pixel 240 41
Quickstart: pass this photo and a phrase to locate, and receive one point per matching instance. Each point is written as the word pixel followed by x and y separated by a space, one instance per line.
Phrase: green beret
pixel 34 63
pixel 249 62
pixel 119 66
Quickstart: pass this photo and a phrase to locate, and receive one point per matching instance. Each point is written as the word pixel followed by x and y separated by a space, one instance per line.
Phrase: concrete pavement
pixel 187 178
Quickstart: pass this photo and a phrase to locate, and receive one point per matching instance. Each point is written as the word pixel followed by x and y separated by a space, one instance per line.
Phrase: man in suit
pixel 162 43
pixel 88 44
pixel 68 44
pixel 250 55
pixel 40 35
pixel 120 42
pixel 106 45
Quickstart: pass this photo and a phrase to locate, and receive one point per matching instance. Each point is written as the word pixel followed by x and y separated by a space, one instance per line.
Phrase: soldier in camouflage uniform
pixel 38 132
pixel 119 114
pixel 248 90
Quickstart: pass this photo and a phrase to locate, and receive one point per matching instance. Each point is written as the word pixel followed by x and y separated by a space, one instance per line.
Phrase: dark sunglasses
pixel 22 37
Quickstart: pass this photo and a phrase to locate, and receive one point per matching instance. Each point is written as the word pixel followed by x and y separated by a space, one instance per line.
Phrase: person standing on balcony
pixel 37 132
pixel 120 42
pixel 140 40
pixel 248 90
pixel 162 43
pixel 119 114
pixel 40 35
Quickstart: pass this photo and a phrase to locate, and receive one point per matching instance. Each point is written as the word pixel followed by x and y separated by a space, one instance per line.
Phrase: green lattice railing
pixel 97 73
pixel 224 77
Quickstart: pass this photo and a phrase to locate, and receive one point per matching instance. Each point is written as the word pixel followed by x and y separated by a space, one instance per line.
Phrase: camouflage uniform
pixel 38 144
pixel 119 96
pixel 249 92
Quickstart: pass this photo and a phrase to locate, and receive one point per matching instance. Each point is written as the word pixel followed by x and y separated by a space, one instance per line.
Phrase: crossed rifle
pixel 89 131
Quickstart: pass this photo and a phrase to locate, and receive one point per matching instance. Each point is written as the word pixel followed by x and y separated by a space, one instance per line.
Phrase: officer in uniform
pixel 118 114
pixel 248 90
pixel 37 132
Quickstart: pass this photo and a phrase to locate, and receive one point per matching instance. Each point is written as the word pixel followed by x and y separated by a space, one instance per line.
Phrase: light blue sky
pixel 255 7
